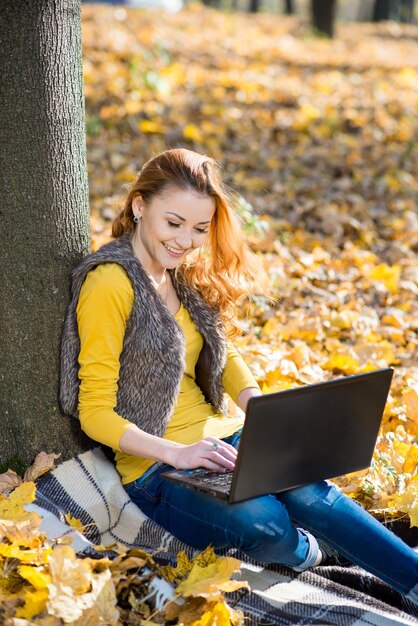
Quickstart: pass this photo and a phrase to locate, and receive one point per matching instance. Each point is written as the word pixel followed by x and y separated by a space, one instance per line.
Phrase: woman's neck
pixel 157 274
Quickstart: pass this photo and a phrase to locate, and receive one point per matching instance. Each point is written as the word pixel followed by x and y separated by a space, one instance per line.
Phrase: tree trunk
pixel 254 6
pixel 323 16
pixel 288 7
pixel 44 217
pixel 381 10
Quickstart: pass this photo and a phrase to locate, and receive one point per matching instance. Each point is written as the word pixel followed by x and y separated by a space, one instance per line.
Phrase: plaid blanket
pixel 88 486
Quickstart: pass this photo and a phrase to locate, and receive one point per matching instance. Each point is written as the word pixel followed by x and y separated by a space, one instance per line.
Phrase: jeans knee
pixel 261 525
pixel 315 495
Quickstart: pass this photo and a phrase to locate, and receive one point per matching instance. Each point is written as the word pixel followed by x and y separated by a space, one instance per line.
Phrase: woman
pixel 145 362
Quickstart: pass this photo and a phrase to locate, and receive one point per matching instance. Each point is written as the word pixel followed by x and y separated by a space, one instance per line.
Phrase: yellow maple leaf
pixel 35 603
pixel 11 508
pixel 36 576
pixel 18 526
pixel 279 385
pixel 343 362
pixel 217 615
pixel 388 275
pixel 210 581
pixel 74 522
pixel 37 556
pixel 204 558
pixel 180 571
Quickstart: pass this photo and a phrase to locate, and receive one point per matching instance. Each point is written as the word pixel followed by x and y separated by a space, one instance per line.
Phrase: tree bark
pixel 254 6
pixel 288 7
pixel 323 16
pixel 44 217
pixel 381 10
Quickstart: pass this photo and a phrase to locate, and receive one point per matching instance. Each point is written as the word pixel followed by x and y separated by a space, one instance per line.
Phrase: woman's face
pixel 171 226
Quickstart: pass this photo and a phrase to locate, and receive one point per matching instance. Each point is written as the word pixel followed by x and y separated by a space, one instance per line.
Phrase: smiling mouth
pixel 173 251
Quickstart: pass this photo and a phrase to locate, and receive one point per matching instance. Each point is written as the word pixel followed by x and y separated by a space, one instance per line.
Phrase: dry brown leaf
pixel 43 463
pixel 76 593
pixel 8 481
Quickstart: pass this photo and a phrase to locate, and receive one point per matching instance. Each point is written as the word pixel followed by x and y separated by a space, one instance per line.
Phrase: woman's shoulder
pixel 108 277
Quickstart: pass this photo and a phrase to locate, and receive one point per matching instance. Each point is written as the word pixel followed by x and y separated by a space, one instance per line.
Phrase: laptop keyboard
pixel 213 478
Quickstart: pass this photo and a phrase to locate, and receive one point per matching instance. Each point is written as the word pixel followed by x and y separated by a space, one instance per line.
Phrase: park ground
pixel 319 139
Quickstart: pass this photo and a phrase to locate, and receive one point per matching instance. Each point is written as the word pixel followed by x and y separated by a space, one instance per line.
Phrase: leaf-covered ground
pixel 320 140
pixel 45 583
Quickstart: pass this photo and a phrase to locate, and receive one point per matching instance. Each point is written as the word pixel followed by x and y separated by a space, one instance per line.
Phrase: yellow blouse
pixel 104 306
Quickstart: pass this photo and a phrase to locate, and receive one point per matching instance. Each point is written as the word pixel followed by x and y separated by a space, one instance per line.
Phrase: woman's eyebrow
pixel 182 218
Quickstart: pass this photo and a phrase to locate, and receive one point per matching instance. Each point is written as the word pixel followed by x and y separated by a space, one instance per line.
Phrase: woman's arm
pixel 104 305
pixel 200 454
pixel 245 395
pixel 237 378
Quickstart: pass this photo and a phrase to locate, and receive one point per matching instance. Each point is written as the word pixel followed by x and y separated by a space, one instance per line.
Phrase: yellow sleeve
pixel 236 375
pixel 105 303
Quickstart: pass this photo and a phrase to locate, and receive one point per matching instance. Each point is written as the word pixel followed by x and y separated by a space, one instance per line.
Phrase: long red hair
pixel 224 269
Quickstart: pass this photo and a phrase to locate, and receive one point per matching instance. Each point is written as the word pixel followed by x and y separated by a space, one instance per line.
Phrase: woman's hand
pixel 211 453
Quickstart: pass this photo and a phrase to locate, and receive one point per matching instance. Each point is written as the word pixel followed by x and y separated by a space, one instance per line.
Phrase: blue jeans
pixel 266 528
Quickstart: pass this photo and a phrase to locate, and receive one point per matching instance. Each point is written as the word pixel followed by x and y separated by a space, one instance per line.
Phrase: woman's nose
pixel 184 239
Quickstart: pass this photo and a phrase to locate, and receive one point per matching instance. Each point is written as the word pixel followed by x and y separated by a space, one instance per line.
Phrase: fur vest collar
pixel 153 355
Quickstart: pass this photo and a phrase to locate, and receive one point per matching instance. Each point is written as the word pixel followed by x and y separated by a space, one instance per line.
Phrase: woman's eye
pixel 173 224
pixel 201 231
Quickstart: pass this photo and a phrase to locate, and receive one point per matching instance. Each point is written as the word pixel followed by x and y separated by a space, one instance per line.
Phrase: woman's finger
pixel 222 461
pixel 213 466
pixel 223 448
pixel 220 455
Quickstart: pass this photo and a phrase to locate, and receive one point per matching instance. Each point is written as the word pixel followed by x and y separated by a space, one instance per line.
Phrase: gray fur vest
pixel 152 361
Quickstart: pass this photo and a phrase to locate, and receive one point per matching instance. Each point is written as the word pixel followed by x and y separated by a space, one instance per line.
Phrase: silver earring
pixel 136 219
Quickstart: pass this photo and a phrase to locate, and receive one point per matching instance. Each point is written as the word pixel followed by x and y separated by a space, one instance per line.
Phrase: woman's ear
pixel 137 206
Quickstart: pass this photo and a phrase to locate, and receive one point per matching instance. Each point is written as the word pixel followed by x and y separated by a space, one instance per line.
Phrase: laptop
pixel 298 436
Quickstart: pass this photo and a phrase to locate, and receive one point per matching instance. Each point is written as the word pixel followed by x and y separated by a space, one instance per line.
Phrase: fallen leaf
pixel 43 463
pixel 210 581
pixel 35 603
pixel 8 481
pixel 74 522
